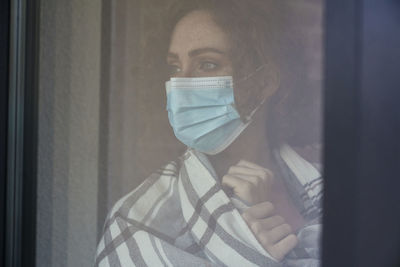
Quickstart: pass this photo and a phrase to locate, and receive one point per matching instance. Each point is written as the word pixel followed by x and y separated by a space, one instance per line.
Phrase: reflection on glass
pixel 242 96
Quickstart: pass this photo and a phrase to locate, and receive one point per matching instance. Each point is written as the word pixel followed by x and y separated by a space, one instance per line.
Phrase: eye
pixel 173 69
pixel 208 66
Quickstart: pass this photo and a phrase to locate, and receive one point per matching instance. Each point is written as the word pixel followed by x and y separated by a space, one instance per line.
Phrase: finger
pixel 283 247
pixel 240 187
pixel 251 165
pixel 278 233
pixel 258 226
pixel 254 180
pixel 259 211
pixel 242 170
pixel 233 182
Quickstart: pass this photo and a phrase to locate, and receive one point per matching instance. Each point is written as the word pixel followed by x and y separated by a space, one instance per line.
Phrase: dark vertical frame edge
pixel 4 47
pixel 20 225
pixel 343 21
pixel 31 123
pixel 15 134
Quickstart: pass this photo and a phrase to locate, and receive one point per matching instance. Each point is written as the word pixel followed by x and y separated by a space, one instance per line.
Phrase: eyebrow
pixel 198 51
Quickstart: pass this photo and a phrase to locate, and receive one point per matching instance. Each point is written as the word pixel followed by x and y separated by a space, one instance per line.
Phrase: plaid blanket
pixel 180 216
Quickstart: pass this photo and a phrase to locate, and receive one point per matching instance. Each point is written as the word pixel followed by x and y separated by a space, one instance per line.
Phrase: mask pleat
pixel 201 112
pixel 198 130
pixel 220 134
pixel 218 119
pixel 199 98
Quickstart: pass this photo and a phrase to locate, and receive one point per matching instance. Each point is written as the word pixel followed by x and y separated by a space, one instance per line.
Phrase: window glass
pixel 180 132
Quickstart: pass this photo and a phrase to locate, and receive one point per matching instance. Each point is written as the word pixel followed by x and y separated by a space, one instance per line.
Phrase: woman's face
pixel 199 47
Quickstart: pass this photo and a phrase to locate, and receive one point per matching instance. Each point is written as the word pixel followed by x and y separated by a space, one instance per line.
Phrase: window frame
pixel 22 123
pixel 345 28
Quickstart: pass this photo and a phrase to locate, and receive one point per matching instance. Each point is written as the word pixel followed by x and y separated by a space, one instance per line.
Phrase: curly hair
pixel 255 29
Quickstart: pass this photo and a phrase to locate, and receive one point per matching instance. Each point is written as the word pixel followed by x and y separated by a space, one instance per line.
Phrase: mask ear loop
pixel 249 117
pixel 248 76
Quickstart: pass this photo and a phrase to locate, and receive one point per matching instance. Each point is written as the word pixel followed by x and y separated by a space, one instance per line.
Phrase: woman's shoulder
pixel 137 203
pixel 150 216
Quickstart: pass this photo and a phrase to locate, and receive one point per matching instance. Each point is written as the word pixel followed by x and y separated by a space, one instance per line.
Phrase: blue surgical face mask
pixel 202 112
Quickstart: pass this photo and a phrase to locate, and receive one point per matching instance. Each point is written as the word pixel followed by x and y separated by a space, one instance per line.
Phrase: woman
pixel 239 196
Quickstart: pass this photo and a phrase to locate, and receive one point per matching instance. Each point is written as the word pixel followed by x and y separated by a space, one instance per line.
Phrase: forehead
pixel 196 30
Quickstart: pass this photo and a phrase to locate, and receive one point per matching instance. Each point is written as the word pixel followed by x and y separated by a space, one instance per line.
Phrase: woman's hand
pixel 253 184
pixel 249 182
pixel 271 230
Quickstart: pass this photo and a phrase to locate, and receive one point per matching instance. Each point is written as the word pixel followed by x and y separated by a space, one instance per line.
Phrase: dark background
pixel 362 130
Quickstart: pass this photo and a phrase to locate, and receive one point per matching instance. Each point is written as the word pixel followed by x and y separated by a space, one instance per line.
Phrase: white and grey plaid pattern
pixel 180 216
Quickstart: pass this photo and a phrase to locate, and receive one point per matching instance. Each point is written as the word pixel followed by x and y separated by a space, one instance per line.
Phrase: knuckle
pixel 264 176
pixel 231 169
pixel 287 227
pixel 269 205
pixel 246 217
pixel 247 187
pixel 258 181
pixel 256 226
pixel 264 240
